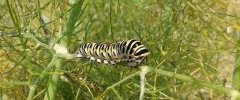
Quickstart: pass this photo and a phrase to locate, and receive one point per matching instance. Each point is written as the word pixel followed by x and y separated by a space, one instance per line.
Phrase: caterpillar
pixel 131 51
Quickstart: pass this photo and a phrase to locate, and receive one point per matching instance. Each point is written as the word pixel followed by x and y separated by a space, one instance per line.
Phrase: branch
pixel 29 35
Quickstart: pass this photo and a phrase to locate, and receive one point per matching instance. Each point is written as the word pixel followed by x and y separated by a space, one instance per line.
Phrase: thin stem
pixel 144 70
pixel 29 35
pixel 118 83
pixel 117 94
pixel 34 86
pixel 192 80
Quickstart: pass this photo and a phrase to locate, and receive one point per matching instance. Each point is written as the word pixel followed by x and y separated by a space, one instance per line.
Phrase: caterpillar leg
pixel 105 62
pixel 112 62
pixel 118 60
pixel 99 60
pixel 92 59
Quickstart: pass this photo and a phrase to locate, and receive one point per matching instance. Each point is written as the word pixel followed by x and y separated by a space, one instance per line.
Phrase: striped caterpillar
pixel 131 51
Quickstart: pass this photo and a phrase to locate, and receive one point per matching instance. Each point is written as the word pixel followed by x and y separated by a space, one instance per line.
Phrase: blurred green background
pixel 195 41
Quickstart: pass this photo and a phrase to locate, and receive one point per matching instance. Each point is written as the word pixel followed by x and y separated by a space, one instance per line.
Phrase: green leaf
pixel 76 13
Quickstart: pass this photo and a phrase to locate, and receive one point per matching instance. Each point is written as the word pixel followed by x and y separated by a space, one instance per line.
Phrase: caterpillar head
pixel 139 56
pixel 79 54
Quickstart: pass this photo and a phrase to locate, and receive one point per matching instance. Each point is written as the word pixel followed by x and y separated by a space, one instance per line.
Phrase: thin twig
pixel 144 70
pixel 118 83
pixel 34 85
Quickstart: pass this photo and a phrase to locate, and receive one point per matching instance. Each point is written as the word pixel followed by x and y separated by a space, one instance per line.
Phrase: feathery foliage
pixel 192 43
